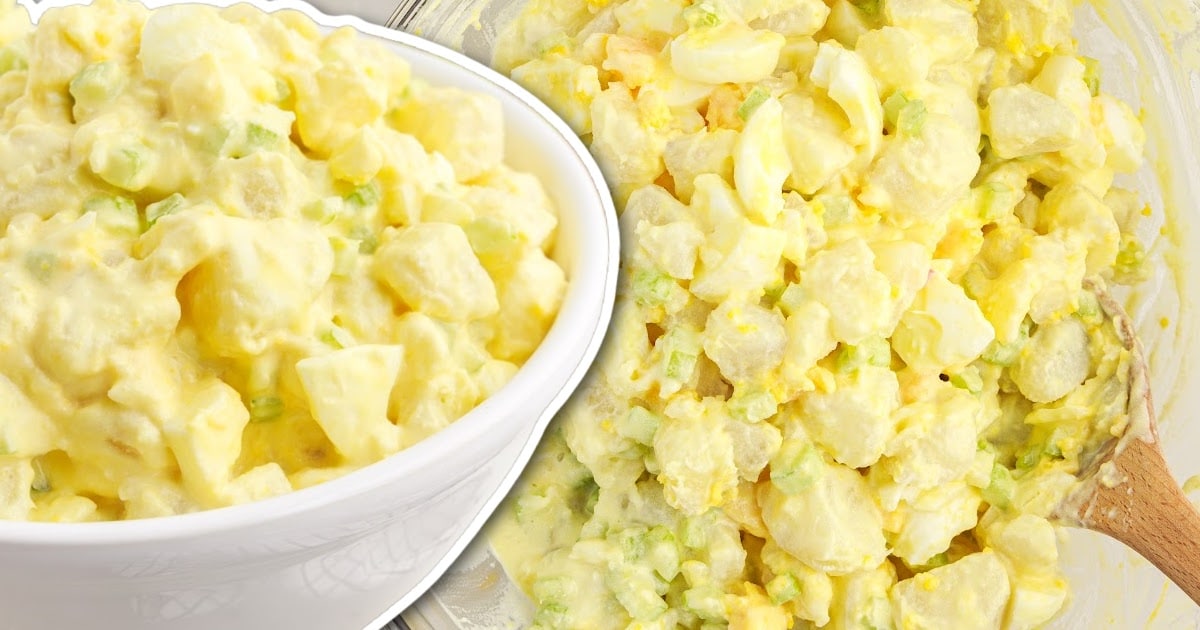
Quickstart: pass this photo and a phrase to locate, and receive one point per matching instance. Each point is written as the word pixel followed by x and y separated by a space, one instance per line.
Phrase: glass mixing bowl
pixel 1150 53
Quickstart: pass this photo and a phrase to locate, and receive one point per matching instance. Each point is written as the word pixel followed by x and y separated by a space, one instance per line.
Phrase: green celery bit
pixel 96 83
pixel 968 379
pixel 160 209
pixel 41 482
pixel 834 209
pixel 754 406
pixel 1131 267
pixel 1089 310
pixel 1091 75
pixel 680 365
pixel 911 118
pixel 694 534
pixel 119 214
pixel 632 541
pixel 892 107
pixel 636 592
pixel 662 552
pixel 869 7
pixel 12 59
pixel 783 588
pixel 705 601
pixel 593 497
pixel 368 242
pixel 323 211
pixel 338 337
pixel 551 615
pixel 261 137
pixel 265 408
pixel 489 235
pixel 552 589
pixel 791 299
pixel 1001 487
pixel 42 265
pixel 652 288
pixel 364 196
pixel 874 351
pixel 639 425
pixel 752 102
pixel 702 15
pixel 796 466
pixel 993 200
pixel 940 560
pixel 283 90
pixel 1006 354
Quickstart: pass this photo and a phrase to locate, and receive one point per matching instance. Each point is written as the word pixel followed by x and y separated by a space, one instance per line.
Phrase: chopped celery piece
pixel 41 481
pixel 796 466
pixel 368 242
pixel 553 589
pixel 639 425
pixel 260 137
pixel 283 90
pixel 1091 75
pixel 834 209
pixel 939 560
pixel 681 347
pixel 338 337
pixel 792 298
pixel 12 59
pixel 1131 267
pixel 636 592
pixel 870 7
pixel 1089 310
pixel 1001 487
pixel 874 351
pixel 345 255
pixel 706 601
pixel 701 15
pixel 662 553
pixel 975 281
pixel 593 497
pixel 632 541
pixel 968 379
pixel 1006 354
pixel 652 288
pixel 694 533
pixel 323 211
pixel 160 209
pixel 489 235
pixel 752 102
pixel 783 588
pixel 97 83
pixel 265 408
pixel 993 200
pixel 892 107
pixel 41 264
pixel 551 615
pixel 115 213
pixel 912 118
pixel 364 196
pixel 753 406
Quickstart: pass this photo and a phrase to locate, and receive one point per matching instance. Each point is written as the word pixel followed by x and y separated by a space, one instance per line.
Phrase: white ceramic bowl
pixel 1150 55
pixel 350 553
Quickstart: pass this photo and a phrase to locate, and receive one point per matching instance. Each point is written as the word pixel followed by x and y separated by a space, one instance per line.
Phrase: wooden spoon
pixel 1135 500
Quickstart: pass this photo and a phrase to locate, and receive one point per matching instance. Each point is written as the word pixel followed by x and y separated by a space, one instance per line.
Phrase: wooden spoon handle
pixel 1148 512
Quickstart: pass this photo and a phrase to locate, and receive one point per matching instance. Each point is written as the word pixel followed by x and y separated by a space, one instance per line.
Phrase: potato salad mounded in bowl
pixel 854 363
pixel 242 256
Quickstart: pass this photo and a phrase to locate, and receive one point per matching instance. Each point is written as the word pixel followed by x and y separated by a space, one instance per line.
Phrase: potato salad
pixel 856 360
pixel 241 256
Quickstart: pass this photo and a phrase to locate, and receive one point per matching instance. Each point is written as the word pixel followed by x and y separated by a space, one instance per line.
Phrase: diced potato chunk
pixel 348 393
pixel 432 267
